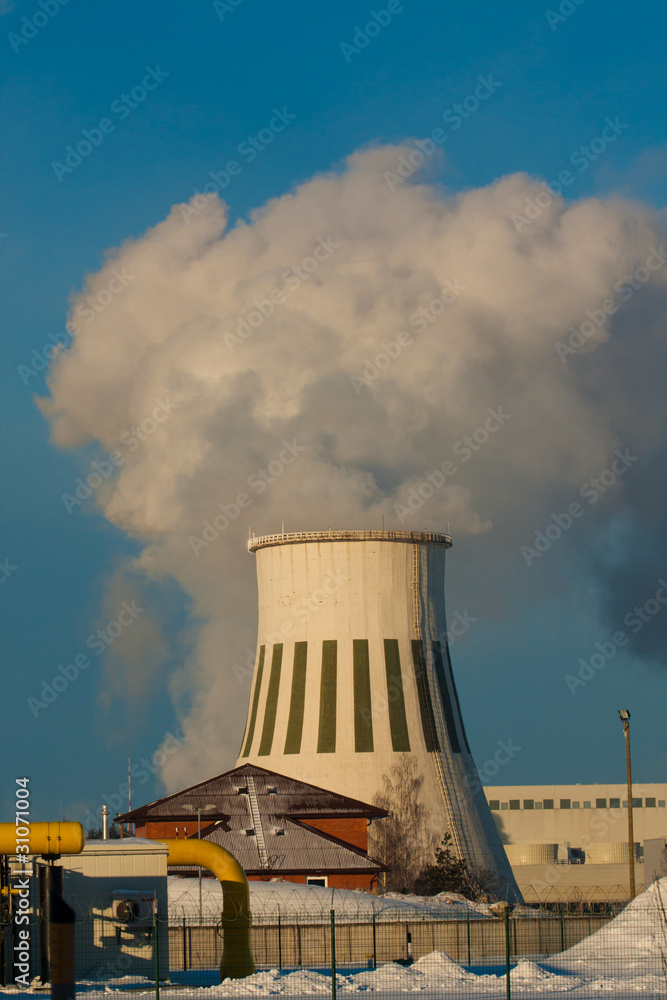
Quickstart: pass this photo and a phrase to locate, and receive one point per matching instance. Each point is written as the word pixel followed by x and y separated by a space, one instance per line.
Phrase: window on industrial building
pixel 661 803
pixel 504 805
pixel 587 805
pixel 565 803
pixel 494 804
pixel 600 803
pixel 637 803
pixel 614 803
pixel 528 804
pixel 576 805
pixel 625 803
pixel 649 803
pixel 548 803
pixel 316 880
pixel 515 803
pixel 538 805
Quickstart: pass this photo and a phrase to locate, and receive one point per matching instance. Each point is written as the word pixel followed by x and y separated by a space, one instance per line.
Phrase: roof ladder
pixel 257 822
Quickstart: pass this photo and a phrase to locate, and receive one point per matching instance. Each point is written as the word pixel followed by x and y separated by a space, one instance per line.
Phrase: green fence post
pixel 280 943
pixel 333 955
pixel 507 951
pixel 156 949
pixel 562 929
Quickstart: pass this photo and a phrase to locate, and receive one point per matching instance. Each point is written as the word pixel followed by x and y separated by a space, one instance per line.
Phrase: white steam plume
pixel 171 354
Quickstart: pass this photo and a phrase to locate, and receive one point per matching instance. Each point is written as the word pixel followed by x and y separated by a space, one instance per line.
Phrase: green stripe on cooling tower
pixel 297 699
pixel 424 692
pixel 363 717
pixel 446 699
pixel 255 701
pixel 326 739
pixel 398 723
pixel 271 701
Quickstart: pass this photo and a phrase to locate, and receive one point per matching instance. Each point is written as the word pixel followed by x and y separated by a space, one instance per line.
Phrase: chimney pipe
pixel 105 822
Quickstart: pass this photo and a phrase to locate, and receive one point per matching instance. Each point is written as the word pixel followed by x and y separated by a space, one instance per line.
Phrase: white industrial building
pixel 116 887
pixel 353 673
pixel 574 838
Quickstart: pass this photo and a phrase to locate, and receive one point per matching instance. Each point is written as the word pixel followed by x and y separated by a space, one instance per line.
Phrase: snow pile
pixel 289 899
pixel 530 976
pixel 635 941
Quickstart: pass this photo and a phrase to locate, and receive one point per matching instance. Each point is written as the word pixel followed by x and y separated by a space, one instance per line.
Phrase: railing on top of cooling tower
pixel 415 537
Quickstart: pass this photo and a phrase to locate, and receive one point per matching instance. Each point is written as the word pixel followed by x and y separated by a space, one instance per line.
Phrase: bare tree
pixel 401 841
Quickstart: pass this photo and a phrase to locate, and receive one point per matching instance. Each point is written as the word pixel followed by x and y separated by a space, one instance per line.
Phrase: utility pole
pixel 624 716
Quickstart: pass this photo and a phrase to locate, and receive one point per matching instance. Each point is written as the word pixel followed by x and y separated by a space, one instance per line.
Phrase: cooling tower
pixel 353 672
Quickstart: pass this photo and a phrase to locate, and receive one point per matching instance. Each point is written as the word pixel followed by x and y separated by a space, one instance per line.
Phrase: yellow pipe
pixel 237 960
pixel 41 838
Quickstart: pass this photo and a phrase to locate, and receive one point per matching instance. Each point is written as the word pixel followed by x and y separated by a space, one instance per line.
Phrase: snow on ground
pixel 433 976
pixel 633 942
pixel 626 958
pixel 268 899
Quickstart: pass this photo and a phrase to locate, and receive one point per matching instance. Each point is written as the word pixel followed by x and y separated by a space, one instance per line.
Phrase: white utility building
pixel 353 671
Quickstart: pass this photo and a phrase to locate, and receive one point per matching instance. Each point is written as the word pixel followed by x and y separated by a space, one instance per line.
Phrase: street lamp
pixel 199 810
pixel 624 716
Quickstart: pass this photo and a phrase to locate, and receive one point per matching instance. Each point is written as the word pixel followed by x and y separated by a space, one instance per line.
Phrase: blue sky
pixel 220 74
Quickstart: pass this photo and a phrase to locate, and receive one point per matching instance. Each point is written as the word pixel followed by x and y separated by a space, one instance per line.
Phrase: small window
pixel 242 791
pixel 515 803
pixel 600 803
pixel 614 803
pixel 528 804
pixel 250 833
pixel 504 805
pixel 316 880
pixel 538 805
pixel 587 805
pixel 576 805
pixel 565 803
pixel 625 803
pixel 548 803
pixel 494 804
pixel 272 790
pixel 278 832
pixel 661 803
pixel 637 803
pixel 649 803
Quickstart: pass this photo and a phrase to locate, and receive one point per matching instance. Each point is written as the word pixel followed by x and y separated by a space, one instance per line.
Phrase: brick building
pixel 274 825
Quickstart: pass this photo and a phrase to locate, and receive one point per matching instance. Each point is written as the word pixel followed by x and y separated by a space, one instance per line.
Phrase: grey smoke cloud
pixel 494 345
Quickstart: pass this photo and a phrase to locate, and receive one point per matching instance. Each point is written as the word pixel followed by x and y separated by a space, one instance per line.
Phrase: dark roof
pixel 291 797
pixel 297 849
pixel 258 817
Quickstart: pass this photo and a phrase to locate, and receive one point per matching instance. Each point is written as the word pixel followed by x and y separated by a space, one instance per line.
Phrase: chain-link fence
pixel 525 952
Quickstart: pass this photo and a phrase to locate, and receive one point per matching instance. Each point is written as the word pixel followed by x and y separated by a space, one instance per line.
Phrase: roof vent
pixel 272 790
pixel 242 790
pixel 278 831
